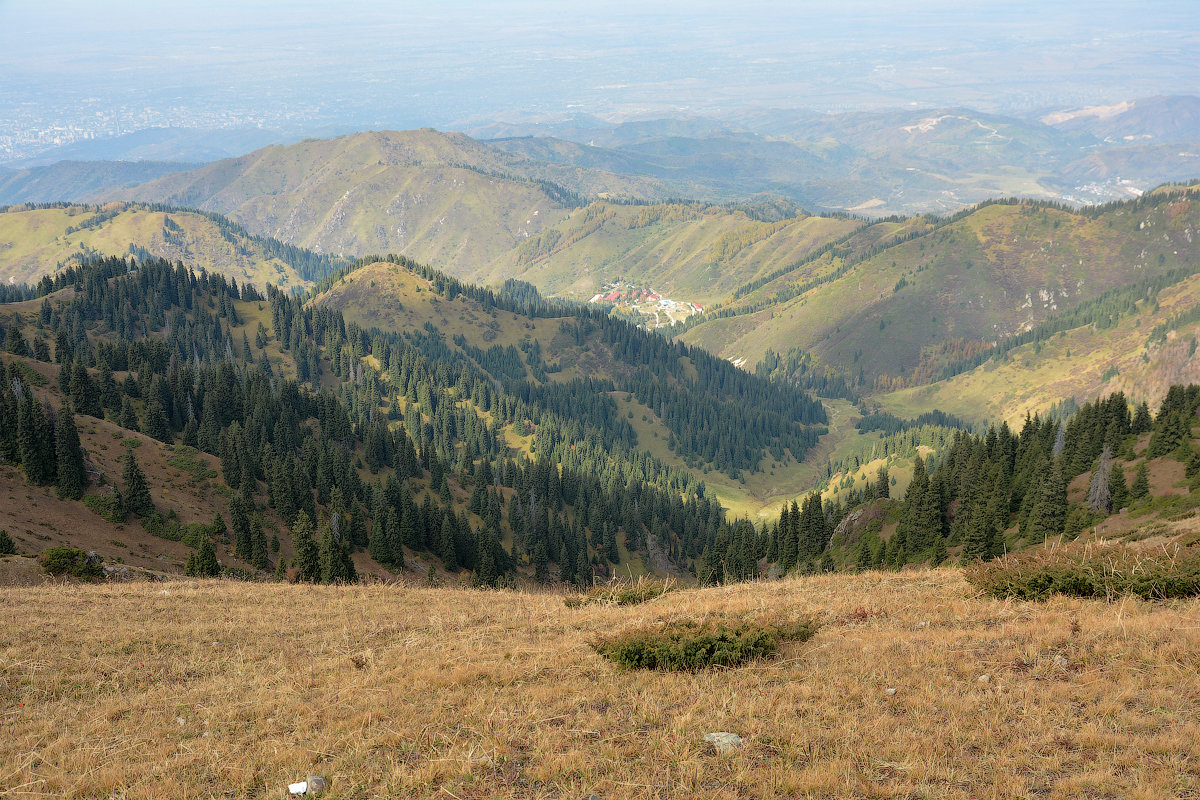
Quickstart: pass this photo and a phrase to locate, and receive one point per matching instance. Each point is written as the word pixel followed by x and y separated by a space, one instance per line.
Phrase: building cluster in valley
pixel 637 300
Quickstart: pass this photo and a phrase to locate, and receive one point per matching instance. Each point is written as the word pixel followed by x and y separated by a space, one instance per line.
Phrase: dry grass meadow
pixel 220 689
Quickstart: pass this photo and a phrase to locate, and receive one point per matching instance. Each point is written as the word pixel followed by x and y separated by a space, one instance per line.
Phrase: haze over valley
pixel 606 400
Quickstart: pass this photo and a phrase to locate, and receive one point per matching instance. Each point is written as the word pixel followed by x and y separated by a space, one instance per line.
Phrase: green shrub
pixel 1106 571
pixel 623 594
pixel 108 506
pixel 689 645
pixel 71 561
pixel 7 546
pixel 187 459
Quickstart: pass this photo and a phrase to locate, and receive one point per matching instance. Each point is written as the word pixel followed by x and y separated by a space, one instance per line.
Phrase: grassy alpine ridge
pixel 901 303
pixel 35 236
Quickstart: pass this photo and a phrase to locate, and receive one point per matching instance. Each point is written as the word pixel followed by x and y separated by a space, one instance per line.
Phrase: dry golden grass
pixel 194 689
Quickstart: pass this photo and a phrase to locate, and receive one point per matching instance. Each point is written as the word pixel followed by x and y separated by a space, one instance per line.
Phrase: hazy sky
pixel 327 65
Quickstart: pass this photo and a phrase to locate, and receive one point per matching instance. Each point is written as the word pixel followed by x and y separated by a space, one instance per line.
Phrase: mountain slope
pixel 483 214
pixel 440 198
pixel 34 240
pixel 1150 347
pixel 79 180
pixel 895 299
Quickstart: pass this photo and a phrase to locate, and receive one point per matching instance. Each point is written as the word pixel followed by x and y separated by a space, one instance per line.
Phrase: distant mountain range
pixel 867 162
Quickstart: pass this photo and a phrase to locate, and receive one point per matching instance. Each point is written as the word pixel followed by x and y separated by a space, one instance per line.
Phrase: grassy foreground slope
pixel 395 691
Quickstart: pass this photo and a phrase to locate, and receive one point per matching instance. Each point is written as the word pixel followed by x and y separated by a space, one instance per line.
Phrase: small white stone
pixel 723 741
pixel 1061 662
pixel 985 678
pixel 889 691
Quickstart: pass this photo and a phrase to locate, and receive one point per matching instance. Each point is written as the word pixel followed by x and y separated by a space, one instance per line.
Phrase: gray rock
pixel 985 678
pixel 316 785
pixel 723 741
pixel 889 691
pixel 1061 662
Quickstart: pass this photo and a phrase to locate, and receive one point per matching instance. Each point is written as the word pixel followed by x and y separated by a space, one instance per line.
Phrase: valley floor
pixel 200 689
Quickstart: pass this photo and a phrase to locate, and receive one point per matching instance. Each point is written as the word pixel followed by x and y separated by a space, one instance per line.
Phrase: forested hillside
pixel 335 443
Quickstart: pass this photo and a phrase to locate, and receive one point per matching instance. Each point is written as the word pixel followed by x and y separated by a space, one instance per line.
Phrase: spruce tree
pixel 1142 421
pixel 446 548
pixel 939 552
pixel 85 395
pixel 240 509
pixel 863 561
pixel 1140 489
pixel 136 492
pixel 258 544
pixel 31 441
pixel 380 546
pixel 15 342
pixel 202 563
pixel 72 477
pixel 329 556
pixel 128 418
pixel 882 484
pixel 308 560
pixel 1048 515
pixel 541 562
pixel 157 426
pixel 1118 490
pixel 7 546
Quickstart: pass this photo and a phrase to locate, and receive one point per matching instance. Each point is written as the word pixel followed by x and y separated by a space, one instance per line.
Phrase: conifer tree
pixel 7 546
pixel 72 477
pixel 157 426
pixel 541 562
pixel 583 567
pixel 1118 490
pixel 487 571
pixel 1048 515
pixel 446 549
pixel 258 543
pixel 307 561
pixel 33 442
pixel 939 553
pixel 1140 489
pixel 85 395
pixel 15 342
pixel 129 418
pixel 381 545
pixel 863 561
pixel 136 492
pixel 1142 421
pixel 241 507
pixel 202 563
